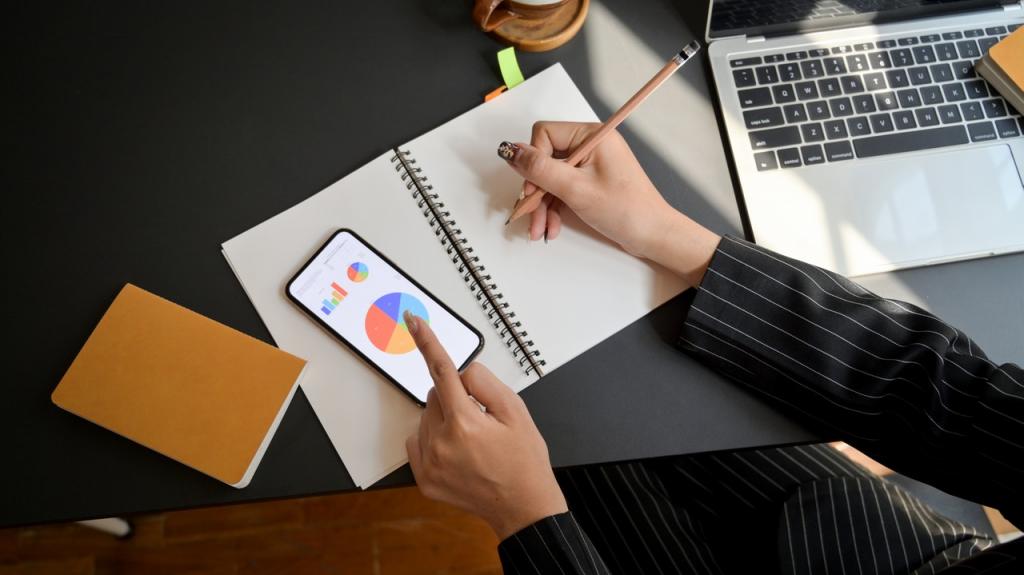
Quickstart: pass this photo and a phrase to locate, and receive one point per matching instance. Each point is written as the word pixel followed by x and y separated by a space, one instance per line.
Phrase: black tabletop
pixel 140 137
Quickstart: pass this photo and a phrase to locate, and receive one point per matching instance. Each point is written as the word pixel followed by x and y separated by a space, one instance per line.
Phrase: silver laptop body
pixel 863 140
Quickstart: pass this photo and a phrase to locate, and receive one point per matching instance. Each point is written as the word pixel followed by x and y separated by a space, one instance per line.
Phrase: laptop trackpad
pixel 914 210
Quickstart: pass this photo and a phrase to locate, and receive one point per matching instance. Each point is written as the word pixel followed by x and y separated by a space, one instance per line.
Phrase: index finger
pixel 451 394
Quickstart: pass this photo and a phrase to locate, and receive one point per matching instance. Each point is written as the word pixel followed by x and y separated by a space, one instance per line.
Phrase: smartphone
pixel 360 296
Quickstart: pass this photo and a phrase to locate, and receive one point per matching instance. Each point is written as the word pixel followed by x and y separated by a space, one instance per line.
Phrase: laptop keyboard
pixel 871 99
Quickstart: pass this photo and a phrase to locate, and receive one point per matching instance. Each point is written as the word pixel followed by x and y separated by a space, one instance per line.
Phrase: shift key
pixel 787 136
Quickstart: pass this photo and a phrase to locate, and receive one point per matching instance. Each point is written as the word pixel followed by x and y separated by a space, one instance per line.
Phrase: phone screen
pixel 359 296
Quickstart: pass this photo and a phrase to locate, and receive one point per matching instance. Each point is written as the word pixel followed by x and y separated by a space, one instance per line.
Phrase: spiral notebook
pixel 436 207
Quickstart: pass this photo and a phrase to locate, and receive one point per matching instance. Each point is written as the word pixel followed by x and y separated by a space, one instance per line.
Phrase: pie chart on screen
pixel 358 271
pixel 385 325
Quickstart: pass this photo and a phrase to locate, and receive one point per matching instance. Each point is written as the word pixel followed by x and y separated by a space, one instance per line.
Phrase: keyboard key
pixel 952 35
pixel 886 44
pixel 904 120
pixel 857 63
pixel 767 75
pixel 946 51
pixel 842 49
pixel 919 76
pixel 968 49
pixel 995 30
pixel 924 55
pixel 812 155
pixel 941 72
pixel 806 90
pixel 765 161
pixel 881 123
pixel 812 69
pixel 773 58
pixel 927 117
pixel 789 158
pixel 886 101
pixel 879 60
pixel 864 46
pixel 813 132
pixel 875 81
pixel 744 77
pixel 981 131
pixel 755 97
pixel 794 113
pixel 972 111
pixel 897 78
pixel 994 108
pixel 949 114
pixel 852 84
pixel 963 70
pixel 954 92
pixel 864 104
pixel 931 95
pixel 974 33
pixel 858 126
pixel 763 118
pixel 1006 128
pixel 775 137
pixel 1011 28
pixel 909 98
pixel 985 43
pixel 907 41
pixel 817 53
pixel 818 110
pixel 790 72
pixel 829 87
pixel 796 55
pixel 901 57
pixel 910 141
pixel 929 38
pixel 838 151
pixel 840 107
pixel 748 61
pixel 783 93
pixel 836 130
pixel 835 66
pixel 976 89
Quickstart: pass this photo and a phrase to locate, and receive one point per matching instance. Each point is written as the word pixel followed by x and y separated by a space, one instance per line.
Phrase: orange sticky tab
pixel 497 92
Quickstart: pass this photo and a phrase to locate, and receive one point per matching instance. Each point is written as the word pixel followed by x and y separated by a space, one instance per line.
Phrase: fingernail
pixel 507 151
pixel 411 321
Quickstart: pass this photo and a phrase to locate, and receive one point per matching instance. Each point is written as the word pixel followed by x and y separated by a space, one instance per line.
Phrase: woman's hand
pixel 493 464
pixel 610 191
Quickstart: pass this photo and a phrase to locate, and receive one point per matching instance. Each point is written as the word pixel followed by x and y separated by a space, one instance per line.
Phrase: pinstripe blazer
pixel 891 379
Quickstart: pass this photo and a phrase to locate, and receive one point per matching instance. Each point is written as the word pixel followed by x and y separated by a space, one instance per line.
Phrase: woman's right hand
pixel 610 191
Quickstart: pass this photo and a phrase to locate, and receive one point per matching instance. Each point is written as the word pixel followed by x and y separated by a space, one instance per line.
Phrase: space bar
pixel 910 141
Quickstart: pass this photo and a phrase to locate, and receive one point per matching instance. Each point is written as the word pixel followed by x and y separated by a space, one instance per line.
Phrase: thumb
pixel 547 173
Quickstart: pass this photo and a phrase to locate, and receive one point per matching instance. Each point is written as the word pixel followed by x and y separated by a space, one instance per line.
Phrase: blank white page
pixel 570 293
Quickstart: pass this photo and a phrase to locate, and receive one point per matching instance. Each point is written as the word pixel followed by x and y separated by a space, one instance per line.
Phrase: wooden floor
pixel 386 532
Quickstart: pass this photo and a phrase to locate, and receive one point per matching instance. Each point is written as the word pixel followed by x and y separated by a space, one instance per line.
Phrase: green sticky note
pixel 509 67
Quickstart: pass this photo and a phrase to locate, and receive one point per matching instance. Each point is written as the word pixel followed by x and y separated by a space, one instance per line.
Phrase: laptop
pixel 862 137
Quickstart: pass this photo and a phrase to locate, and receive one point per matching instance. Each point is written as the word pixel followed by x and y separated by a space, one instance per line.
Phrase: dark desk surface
pixel 143 137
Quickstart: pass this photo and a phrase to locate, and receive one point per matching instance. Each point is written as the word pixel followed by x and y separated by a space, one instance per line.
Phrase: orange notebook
pixel 181 384
pixel 1003 67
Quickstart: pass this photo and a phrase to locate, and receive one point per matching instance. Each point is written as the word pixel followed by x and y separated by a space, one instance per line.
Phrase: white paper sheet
pixel 569 294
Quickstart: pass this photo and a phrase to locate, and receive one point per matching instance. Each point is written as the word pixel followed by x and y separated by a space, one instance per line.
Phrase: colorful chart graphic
pixel 337 295
pixel 385 325
pixel 358 272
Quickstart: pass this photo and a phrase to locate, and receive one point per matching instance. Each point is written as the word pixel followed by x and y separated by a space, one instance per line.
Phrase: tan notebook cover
pixel 182 384
pixel 1008 55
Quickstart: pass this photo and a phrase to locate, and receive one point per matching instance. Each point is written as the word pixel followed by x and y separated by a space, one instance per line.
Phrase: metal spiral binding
pixel 480 283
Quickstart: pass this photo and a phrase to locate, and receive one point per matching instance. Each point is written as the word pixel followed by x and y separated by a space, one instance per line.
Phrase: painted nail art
pixel 507 151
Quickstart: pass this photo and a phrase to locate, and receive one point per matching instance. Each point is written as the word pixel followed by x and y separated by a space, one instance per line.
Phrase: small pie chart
pixel 385 325
pixel 358 272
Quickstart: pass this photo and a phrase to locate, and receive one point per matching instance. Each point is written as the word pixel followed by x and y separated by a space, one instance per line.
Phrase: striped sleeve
pixel 887 377
pixel 555 544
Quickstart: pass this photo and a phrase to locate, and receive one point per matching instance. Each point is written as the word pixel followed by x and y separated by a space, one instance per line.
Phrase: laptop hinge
pixel 754 39
pixel 1012 7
